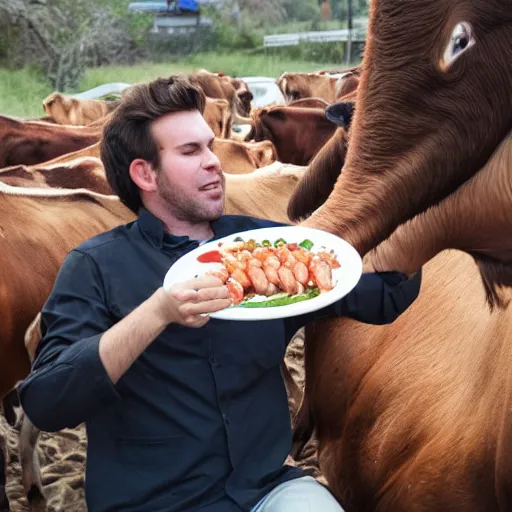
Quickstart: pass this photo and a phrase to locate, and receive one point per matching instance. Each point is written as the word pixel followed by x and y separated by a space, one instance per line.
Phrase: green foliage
pixel 302 10
pixel 22 92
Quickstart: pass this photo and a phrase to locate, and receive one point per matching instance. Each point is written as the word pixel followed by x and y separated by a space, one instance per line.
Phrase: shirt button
pixel 225 418
pixel 214 361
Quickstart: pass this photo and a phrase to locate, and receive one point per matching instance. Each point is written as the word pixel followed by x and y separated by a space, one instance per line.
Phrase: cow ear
pixel 340 113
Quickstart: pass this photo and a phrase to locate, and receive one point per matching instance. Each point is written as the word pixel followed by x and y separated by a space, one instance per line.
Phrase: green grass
pixel 22 92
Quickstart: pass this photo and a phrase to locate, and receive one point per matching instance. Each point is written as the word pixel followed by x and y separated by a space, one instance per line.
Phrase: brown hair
pixel 127 135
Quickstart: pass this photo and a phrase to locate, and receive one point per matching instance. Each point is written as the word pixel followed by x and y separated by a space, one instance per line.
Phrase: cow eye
pixel 461 40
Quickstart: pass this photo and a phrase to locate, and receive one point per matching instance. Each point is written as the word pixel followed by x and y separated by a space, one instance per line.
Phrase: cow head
pixel 434 102
pixel 297 133
pixel 244 95
pixel 58 106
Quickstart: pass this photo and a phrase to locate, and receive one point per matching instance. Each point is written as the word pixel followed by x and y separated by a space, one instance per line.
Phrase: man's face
pixel 190 180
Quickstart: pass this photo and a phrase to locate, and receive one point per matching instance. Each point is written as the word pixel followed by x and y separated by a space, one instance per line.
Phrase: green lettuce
pixel 281 299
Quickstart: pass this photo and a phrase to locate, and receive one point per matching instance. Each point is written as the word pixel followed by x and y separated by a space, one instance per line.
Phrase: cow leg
pixel 30 469
pixel 4 503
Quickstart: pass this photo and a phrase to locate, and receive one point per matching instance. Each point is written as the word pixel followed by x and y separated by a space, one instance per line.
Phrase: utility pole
pixel 350 26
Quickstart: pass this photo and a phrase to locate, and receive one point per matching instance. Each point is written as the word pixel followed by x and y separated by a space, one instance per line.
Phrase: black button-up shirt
pixel 200 421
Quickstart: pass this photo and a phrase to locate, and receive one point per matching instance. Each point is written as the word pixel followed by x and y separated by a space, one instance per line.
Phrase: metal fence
pixel 325 36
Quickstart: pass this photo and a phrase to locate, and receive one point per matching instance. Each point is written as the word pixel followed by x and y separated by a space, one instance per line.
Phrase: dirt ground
pixel 62 455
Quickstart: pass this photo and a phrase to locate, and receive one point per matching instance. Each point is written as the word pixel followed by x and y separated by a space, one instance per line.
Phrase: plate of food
pixel 274 272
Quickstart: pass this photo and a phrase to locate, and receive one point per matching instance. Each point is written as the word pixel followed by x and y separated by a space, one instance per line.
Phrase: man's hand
pixel 189 303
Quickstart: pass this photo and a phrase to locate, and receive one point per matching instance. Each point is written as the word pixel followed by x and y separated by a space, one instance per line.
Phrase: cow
pixel 39 227
pixel 416 415
pixel 33 142
pixel 296 86
pixel 81 172
pixel 297 133
pixel 65 109
pixel 236 157
pixel 317 183
pixel 235 91
pixel 217 114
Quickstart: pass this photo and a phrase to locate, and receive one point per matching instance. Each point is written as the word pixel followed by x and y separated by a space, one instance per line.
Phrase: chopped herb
pixel 279 241
pixel 266 243
pixel 307 244
pixel 238 239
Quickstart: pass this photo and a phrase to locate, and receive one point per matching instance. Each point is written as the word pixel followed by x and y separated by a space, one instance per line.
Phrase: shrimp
pixel 241 276
pixel 271 290
pixel 221 273
pixel 258 278
pixel 321 274
pixel 302 255
pixel 301 273
pixel 288 282
pixel 272 261
pixel 261 253
pixel 330 258
pixel 236 291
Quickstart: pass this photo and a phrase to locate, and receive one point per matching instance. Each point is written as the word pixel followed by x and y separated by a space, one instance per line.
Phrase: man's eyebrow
pixel 195 144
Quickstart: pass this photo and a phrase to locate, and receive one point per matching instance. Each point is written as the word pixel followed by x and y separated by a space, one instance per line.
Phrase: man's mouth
pixel 211 186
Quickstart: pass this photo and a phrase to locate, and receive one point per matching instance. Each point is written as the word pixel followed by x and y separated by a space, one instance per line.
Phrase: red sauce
pixel 210 257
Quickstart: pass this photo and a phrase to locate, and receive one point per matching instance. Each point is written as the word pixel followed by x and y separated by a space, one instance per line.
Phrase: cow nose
pixel 340 113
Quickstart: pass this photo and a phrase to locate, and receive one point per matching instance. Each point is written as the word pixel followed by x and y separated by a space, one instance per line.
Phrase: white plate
pixel 344 278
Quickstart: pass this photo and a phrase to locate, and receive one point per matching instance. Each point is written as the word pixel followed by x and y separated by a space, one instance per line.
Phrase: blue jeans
pixel 303 494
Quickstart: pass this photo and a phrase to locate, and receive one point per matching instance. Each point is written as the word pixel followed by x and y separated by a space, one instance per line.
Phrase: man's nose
pixel 212 162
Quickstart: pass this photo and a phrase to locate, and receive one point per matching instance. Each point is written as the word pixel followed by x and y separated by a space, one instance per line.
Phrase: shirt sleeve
pixel 68 383
pixel 378 298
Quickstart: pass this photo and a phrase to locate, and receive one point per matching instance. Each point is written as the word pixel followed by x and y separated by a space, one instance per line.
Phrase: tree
pixel 64 36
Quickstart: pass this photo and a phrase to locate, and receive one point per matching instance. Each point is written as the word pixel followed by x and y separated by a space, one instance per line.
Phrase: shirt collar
pixel 153 229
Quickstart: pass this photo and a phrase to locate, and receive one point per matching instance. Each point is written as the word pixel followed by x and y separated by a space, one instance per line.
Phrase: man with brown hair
pixel 178 419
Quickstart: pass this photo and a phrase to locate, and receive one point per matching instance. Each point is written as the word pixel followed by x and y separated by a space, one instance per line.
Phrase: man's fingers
pixel 219 292
pixel 196 321
pixel 205 281
pixel 210 306
pixel 201 295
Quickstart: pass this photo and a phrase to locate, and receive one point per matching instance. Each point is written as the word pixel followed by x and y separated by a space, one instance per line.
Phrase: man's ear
pixel 143 175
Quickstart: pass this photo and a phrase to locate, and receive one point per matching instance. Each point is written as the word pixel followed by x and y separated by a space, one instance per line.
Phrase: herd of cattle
pixel 411 416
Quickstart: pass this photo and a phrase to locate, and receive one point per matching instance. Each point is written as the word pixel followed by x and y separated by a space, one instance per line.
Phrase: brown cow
pixel 38 228
pixel 235 157
pixel 297 133
pixel 66 109
pixel 318 182
pixel 33 142
pixel 82 172
pixel 467 340
pixel 418 416
pixel 264 193
pixel 233 90
pixel 240 157
pixel 217 114
pixel 296 86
